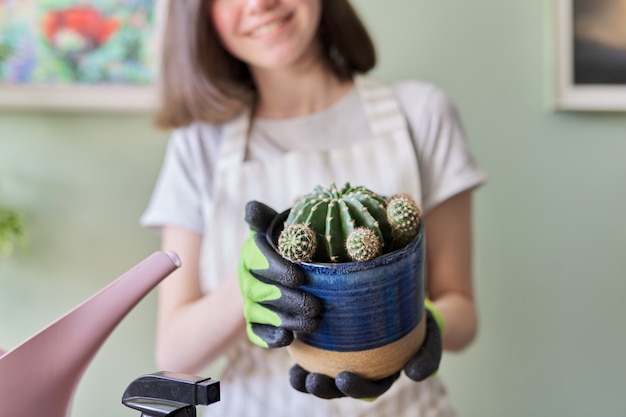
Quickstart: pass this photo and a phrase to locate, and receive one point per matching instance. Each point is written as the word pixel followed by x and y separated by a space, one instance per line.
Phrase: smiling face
pixel 268 34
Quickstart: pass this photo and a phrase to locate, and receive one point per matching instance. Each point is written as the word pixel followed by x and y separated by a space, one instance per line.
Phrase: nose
pixel 262 5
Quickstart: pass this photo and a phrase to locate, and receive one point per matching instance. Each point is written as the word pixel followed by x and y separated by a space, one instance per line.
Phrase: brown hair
pixel 201 81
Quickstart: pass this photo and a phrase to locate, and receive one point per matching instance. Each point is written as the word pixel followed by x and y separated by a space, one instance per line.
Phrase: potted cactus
pixel 363 256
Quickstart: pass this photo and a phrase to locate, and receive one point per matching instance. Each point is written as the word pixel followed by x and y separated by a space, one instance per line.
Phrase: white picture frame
pixel 572 94
pixel 90 97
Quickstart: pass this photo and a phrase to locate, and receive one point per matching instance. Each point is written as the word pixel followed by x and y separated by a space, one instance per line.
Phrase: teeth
pixel 267 28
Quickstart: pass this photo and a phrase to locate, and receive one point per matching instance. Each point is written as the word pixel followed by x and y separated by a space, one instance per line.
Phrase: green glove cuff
pixel 430 306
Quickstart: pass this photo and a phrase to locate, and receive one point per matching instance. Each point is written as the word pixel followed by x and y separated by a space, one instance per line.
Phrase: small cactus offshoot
pixel 363 244
pixel 297 242
pixel 404 217
pixel 349 224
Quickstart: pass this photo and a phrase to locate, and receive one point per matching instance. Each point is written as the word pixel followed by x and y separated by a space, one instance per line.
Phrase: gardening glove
pixel 347 384
pixel 273 306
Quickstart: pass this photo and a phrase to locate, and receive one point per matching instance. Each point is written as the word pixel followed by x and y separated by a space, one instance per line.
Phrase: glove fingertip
pixel 355 386
pixel 283 339
pixel 426 362
pixel 300 324
pixel 310 325
pixel 346 382
pixel 280 269
pixel 297 378
pixel 420 371
pixel 259 216
pixel 322 386
pixel 290 274
pixel 293 276
pixel 311 305
pixel 274 337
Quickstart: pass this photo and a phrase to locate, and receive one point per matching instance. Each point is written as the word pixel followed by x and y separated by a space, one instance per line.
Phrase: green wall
pixel 550 234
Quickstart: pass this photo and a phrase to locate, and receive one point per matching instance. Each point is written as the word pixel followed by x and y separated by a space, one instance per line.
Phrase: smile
pixel 270 27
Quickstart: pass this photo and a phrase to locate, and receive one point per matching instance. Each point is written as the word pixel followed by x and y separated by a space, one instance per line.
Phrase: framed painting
pixel 591 46
pixel 78 54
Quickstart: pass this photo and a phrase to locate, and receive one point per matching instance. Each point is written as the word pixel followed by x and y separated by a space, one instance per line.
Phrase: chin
pixel 287 61
pixel 281 63
pixel 288 55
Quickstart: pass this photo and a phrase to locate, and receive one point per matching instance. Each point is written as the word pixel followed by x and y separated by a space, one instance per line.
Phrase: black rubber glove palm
pixel 347 384
pixel 273 306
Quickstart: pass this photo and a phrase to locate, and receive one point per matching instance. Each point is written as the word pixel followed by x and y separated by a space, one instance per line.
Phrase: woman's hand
pixel 273 306
pixel 347 384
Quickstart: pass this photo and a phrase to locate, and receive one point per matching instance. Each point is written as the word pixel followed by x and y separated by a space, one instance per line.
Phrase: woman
pixel 262 94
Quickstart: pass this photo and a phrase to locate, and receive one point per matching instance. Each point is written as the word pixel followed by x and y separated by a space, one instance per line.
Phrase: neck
pixel 298 90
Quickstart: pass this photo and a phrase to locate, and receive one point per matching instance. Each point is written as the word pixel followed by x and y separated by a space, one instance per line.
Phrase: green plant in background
pixel 11 230
pixel 5 51
pixel 349 224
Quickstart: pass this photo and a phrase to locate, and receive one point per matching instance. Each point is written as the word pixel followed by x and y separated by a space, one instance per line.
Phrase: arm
pixel 449 268
pixel 194 329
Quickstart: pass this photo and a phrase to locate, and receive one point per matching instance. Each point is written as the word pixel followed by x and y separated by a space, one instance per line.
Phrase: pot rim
pixel 377 261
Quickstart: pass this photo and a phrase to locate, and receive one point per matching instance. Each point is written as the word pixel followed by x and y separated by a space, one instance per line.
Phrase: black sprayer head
pixel 169 394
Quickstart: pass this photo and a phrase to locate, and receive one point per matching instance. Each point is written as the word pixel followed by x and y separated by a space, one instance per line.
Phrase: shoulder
pixel 195 138
pixel 422 99
pixel 196 134
pixel 195 145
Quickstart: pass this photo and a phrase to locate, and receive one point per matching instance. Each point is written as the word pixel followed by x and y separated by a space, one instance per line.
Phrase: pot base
pixel 372 364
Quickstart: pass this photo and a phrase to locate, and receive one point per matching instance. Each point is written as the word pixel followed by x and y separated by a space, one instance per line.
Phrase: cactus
pixel 349 224
pixel 334 213
pixel 404 217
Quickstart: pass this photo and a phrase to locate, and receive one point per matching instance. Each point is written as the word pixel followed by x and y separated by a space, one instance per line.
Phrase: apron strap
pixel 233 141
pixel 381 106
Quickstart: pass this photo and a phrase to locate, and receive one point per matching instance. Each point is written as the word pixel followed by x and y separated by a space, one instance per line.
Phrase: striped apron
pixel 255 381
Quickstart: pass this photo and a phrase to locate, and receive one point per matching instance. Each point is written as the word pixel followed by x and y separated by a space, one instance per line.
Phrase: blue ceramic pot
pixel 370 309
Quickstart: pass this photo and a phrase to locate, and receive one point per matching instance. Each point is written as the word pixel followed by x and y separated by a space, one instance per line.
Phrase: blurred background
pixel 550 231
